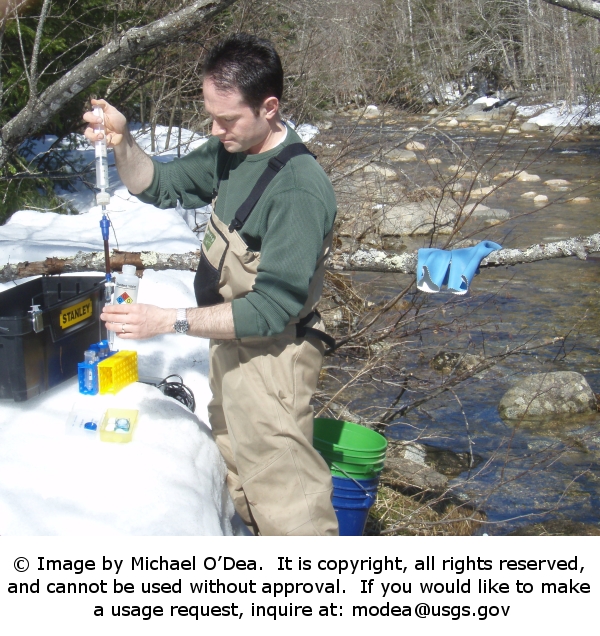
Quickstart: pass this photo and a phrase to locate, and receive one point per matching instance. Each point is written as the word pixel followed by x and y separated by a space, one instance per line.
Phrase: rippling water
pixel 552 470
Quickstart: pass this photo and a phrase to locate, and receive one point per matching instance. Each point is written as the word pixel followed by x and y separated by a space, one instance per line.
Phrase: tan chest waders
pixel 260 411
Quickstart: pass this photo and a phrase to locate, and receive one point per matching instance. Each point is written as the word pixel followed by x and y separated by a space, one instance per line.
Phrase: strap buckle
pixel 236 224
pixel 276 164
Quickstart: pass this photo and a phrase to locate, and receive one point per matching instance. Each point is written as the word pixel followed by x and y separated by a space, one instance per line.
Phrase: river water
pixel 530 473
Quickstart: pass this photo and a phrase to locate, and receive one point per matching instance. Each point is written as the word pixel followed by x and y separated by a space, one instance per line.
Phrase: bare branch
pixel 33 70
pixel 363 260
pixel 584 7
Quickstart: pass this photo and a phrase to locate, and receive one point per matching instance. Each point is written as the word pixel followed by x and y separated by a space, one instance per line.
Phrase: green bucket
pixel 354 472
pixel 340 436
pixel 357 471
pixel 348 455
pixel 349 449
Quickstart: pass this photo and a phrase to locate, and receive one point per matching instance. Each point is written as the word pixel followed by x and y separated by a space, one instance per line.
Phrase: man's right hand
pixel 115 124
pixel 135 167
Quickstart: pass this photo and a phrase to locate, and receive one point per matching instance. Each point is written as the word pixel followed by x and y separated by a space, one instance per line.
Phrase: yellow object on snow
pixel 117 371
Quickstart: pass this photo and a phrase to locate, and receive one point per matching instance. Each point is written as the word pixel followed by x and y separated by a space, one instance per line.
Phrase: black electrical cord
pixel 177 390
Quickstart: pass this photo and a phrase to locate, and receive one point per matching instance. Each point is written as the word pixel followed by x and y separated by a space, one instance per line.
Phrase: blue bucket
pixel 352 500
pixel 343 484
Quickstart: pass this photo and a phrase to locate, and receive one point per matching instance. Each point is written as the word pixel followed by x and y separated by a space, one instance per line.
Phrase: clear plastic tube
pixel 89 357
pixel 101 154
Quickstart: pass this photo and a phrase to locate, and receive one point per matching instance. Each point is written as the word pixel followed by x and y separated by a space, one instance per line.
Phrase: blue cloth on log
pixel 453 268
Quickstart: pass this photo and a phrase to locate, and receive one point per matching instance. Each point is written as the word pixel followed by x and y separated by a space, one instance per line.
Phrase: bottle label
pixel 125 294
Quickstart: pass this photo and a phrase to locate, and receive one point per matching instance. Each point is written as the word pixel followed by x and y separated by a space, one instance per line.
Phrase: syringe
pixel 103 199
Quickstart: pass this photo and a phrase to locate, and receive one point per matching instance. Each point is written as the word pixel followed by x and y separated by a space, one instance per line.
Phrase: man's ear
pixel 271 107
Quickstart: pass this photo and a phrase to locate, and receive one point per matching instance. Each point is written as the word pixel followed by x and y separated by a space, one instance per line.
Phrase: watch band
pixel 181 324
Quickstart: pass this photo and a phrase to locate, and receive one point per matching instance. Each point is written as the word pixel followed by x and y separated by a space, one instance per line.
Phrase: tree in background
pixel 55 53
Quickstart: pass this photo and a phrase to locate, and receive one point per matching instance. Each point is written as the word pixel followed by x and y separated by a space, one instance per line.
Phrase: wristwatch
pixel 181 324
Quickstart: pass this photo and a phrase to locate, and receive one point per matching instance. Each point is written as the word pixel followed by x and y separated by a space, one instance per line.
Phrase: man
pixel 260 274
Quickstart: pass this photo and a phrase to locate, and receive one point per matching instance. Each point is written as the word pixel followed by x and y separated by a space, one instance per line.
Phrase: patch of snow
pixel 561 115
pixel 32 236
pixel 488 101
pixel 307 132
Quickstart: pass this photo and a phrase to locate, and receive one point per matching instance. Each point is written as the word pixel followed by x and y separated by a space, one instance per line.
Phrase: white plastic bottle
pixel 126 286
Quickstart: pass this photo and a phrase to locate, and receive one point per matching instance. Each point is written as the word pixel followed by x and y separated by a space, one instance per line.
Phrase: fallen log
pixel 379 261
pixel 361 260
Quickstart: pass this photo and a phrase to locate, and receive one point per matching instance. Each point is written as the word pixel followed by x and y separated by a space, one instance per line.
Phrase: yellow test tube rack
pixel 117 371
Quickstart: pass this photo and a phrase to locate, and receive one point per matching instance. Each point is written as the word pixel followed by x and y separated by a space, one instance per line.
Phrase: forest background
pixel 409 54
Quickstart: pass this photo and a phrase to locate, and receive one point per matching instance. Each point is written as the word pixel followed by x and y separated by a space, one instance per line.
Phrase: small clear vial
pixel 89 357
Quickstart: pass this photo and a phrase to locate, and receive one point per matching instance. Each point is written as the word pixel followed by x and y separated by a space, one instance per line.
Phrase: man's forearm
pixel 134 165
pixel 139 321
pixel 204 322
pixel 211 322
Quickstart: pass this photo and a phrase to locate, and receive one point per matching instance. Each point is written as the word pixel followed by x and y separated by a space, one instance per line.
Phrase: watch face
pixel 181 326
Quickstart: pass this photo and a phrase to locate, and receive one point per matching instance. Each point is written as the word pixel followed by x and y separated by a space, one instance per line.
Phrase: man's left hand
pixel 138 321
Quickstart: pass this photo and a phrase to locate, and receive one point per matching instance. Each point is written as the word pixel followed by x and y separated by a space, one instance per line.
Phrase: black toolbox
pixel 46 324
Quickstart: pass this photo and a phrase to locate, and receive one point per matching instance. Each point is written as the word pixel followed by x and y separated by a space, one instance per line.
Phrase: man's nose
pixel 216 129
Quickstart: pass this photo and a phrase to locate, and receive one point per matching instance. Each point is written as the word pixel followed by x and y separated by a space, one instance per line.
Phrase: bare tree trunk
pixel 569 59
pixel 153 118
pixel 143 108
pixel 177 104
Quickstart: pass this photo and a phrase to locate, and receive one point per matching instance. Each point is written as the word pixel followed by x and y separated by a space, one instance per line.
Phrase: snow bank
pixel 168 481
pixel 31 235
pixel 560 115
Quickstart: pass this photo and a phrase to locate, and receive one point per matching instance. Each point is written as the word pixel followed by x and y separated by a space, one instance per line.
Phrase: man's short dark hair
pixel 248 64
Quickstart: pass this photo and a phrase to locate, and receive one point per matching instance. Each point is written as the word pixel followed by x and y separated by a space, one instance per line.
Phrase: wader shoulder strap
pixel 274 166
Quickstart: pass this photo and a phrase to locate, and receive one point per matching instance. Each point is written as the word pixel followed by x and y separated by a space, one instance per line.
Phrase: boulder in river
pixel 476 192
pixel 447 361
pixel 546 395
pixel 403 473
pixel 381 171
pixel 424 466
pixel 529 126
pixel 494 214
pixel 372 112
pixel 505 114
pixel 501 176
pixel 422 217
pixel 472 109
pixel 579 200
pixel 403 156
pixel 526 177
pixel 557 183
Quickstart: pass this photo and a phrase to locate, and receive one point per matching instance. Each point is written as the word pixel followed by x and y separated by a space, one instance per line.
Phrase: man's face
pixel 234 122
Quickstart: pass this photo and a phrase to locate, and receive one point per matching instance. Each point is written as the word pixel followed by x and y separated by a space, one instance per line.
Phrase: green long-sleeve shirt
pixel 287 226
